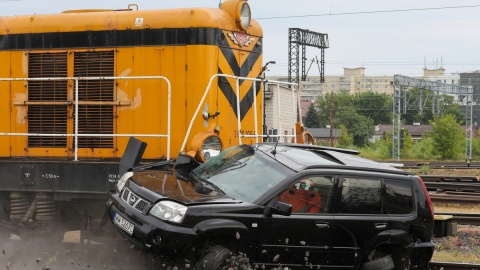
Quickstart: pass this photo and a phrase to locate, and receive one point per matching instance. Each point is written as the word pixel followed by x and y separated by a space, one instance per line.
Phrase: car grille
pixel 134 200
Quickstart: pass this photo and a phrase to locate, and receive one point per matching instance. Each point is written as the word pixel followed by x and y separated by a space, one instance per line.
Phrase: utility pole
pixel 331 119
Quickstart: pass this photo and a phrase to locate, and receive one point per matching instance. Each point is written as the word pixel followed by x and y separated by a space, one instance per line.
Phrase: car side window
pixel 311 194
pixel 361 196
pixel 398 197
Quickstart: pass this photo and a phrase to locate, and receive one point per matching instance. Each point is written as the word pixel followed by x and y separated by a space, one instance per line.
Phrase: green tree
pixel 361 127
pixel 312 118
pixel 475 148
pixel 346 139
pixel 340 100
pixel 407 144
pixel 453 108
pixel 447 136
pixel 377 107
pixel 417 100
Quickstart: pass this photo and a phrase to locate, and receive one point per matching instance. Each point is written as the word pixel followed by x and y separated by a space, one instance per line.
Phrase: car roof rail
pixel 315 147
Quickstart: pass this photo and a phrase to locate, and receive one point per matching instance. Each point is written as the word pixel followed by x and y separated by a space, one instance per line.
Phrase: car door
pixel 359 219
pixel 303 238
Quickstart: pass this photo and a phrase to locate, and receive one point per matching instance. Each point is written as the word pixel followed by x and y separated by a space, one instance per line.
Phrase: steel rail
pixel 436 164
pixel 453 266
pixel 463 218
pixel 454 198
pixel 473 187
pixel 450 178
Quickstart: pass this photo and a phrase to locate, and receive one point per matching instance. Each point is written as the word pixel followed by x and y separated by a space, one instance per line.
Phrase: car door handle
pixel 380 226
pixel 323 225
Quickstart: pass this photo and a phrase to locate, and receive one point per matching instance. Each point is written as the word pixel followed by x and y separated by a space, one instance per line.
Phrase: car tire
pixel 401 260
pixel 213 258
pixel 383 263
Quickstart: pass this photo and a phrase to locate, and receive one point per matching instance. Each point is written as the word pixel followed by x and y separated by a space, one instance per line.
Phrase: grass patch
pixel 425 169
pixel 456 256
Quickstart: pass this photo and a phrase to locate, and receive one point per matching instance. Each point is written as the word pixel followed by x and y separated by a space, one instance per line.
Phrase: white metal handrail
pixel 75 134
pixel 239 124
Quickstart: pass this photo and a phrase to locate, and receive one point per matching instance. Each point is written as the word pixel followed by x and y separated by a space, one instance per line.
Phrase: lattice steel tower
pixel 300 37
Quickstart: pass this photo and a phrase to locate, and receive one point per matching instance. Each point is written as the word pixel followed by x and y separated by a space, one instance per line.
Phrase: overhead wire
pixel 365 12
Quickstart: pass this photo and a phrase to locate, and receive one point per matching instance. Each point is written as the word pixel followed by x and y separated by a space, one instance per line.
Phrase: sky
pixel 384 36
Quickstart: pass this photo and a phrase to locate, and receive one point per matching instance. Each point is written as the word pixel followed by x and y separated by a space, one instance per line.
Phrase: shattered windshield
pixel 242 173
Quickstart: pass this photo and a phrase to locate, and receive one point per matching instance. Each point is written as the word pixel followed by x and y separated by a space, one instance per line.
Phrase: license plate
pixel 123 223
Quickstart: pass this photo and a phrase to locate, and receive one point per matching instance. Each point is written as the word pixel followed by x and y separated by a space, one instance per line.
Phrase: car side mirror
pixel 281 208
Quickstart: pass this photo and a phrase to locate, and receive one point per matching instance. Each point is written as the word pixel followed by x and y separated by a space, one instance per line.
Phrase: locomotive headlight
pixel 123 180
pixel 211 146
pixel 169 211
pixel 205 145
pixel 240 11
pixel 244 15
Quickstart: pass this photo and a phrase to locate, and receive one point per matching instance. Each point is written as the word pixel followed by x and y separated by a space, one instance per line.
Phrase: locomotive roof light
pixel 244 15
pixel 240 10
pixel 205 145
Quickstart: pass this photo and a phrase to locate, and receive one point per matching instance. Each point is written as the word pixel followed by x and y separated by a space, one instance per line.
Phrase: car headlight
pixel 123 180
pixel 169 211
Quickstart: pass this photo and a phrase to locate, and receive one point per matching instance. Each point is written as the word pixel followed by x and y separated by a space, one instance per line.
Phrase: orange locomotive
pixel 75 86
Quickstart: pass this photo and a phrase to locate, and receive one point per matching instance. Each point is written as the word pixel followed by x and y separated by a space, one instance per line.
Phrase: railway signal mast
pixel 298 40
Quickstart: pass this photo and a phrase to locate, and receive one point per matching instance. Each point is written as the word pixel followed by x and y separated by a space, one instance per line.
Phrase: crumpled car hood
pixel 166 184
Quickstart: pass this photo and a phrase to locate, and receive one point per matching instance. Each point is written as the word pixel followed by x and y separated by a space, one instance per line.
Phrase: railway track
pixel 453 266
pixel 453 189
pixel 455 197
pixel 435 164
pixel 463 218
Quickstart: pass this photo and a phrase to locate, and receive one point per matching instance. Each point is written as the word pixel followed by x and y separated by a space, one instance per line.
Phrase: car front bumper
pixel 150 233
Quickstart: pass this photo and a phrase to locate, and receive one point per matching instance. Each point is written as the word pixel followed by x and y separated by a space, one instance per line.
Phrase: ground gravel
pixel 463 246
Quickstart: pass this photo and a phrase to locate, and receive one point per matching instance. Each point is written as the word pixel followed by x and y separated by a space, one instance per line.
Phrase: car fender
pixel 379 240
pixel 402 238
pixel 384 239
pixel 216 227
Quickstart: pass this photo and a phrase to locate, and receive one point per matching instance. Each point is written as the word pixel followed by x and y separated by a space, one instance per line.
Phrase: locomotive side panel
pixel 5 120
pixel 18 97
pixel 145 109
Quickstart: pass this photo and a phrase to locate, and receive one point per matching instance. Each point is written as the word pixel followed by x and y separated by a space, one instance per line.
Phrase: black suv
pixel 289 205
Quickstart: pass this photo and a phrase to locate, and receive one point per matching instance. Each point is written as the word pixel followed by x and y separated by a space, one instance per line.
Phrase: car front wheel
pixel 213 258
